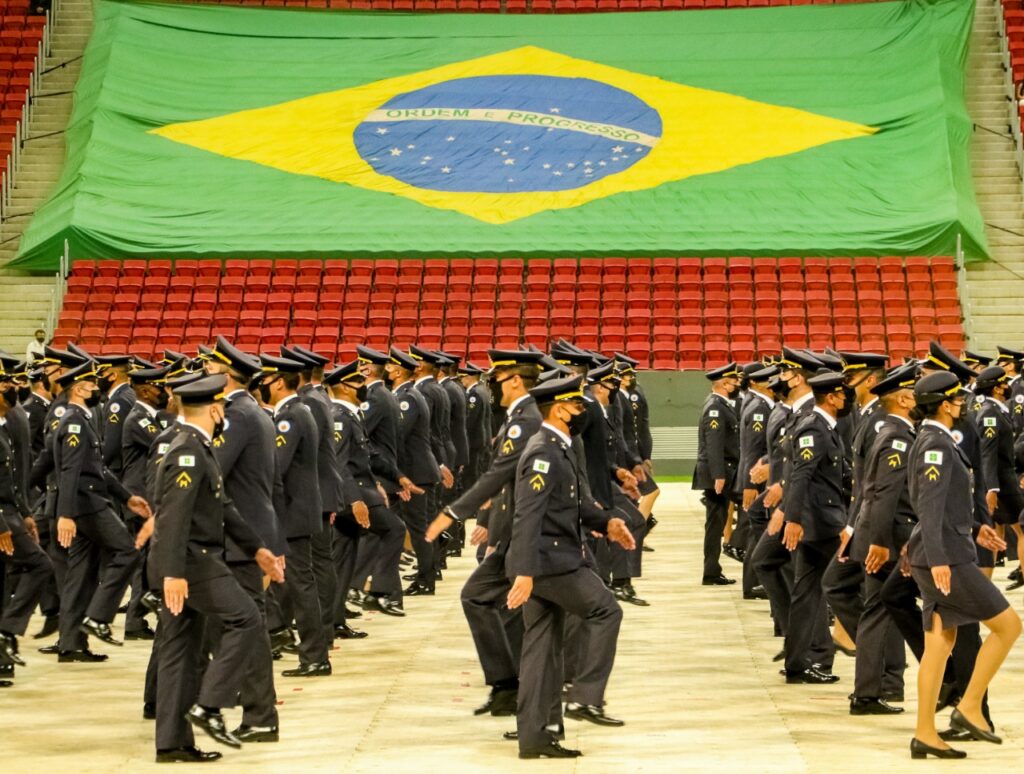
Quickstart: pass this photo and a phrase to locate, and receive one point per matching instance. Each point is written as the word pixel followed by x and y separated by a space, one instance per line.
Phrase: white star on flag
pixel 602 163
pixel 526 147
pixel 382 130
pixel 449 139
pixel 617 149
pixel 557 173
pixel 396 152
pixel 446 170
pixel 410 147
pixel 547 166
pixel 510 162
pixel 571 165
pixel 428 158
pixel 508 142
pixel 555 110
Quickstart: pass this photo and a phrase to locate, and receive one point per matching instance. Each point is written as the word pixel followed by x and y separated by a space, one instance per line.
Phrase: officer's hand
pixel 639 473
pixel 793 534
pixel 943 578
pixel 650 467
pixel 272 566
pixel 362 514
pixel 520 592
pixel 145 532
pixel 775 522
pixel 719 485
pixel 7 543
pixel 992 501
pixel 478 536
pixel 409 487
pixel 844 541
pixel 32 529
pixel 619 533
pixel 447 479
pixel 387 500
pixel 66 531
pixel 876 559
pixel 759 473
pixel 989 538
pixel 437 526
pixel 175 594
pixel 904 562
pixel 140 507
pixel 333 517
pixel 749 495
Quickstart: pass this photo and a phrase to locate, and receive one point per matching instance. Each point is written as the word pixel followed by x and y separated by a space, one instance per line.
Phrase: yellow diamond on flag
pixel 505 136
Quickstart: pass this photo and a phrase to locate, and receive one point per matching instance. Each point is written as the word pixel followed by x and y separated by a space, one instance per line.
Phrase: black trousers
pixel 772 563
pixel 180 653
pixel 135 618
pixel 756 525
pixel 716 508
pixel 497 631
pixel 416 514
pixel 807 605
pixel 580 593
pixel 32 568
pixel 258 696
pixel 322 548
pixel 346 548
pixel 627 564
pixel 299 594
pixel 89 590
pixel 842 585
pixel 881 653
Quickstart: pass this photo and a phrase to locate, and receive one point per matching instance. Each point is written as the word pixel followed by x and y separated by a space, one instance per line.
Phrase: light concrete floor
pixel 694 681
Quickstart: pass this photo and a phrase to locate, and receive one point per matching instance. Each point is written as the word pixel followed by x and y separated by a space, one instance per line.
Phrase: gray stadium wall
pixel 675 399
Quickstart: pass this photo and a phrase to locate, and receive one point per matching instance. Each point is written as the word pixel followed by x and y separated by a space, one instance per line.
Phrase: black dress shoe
pixel 50 650
pixel 757 592
pixel 351 612
pixel 355 596
pixel 151 601
pixel 779 656
pixel 419 590
pixel 647 548
pixel 957 720
pixel 256 733
pixel 893 697
pixel 6 683
pixel 383 605
pixel 811 676
pixel 100 630
pixel 9 649
pixel 501 702
pixel 86 655
pixel 591 713
pixel 149 711
pixel 1016 574
pixel 955 735
pixel 123 610
pixel 557 732
pixel 1015 585
pixel 322 669
pixel 861 706
pixel 145 633
pixel 346 632
pixel 280 637
pixel 50 626
pixel 552 750
pixel 410 577
pixel 213 724
pixel 733 552
pixel 186 755
pixel 721 580
pixel 920 750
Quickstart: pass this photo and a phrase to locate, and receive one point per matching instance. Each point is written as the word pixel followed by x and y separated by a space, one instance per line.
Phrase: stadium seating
pixel 668 312
pixel 20 36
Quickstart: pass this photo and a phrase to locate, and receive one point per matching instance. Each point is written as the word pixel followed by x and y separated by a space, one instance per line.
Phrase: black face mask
pixel 94 399
pixel 496 393
pixel 781 391
pixel 24 393
pixel 104 383
pixel 361 392
pixel 11 397
pixel 849 403
pixel 917 414
pixel 577 423
pixel 218 428
pixel 162 399
pixel 46 383
pixel 731 391
pixel 264 390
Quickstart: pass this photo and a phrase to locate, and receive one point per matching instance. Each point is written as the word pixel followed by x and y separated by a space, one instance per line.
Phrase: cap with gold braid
pixel 400 358
pixel 862 361
pixel 228 354
pixel 347 372
pixel 370 355
pixel 508 358
pixel 940 358
pixel 792 358
pixel 203 391
pixel 87 371
pixel 989 378
pixel 280 365
pixel 556 390
pixel 730 369
pixel 902 378
pixel 974 359
pixel 937 387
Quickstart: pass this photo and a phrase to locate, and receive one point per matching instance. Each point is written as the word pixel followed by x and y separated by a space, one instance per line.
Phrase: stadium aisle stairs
pixel 25 299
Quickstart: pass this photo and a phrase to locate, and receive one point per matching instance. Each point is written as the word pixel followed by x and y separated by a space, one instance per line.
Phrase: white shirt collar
pixel 1005 408
pixel 350 406
pixel 802 400
pixel 559 433
pixel 766 398
pixel 867 406
pixel 516 402
pixel 46 401
pixel 283 400
pixel 903 419
pixel 828 417
pixel 939 425
pixel 235 393
pixel 202 432
pixel 422 379
pixel 147 407
pixel 3 422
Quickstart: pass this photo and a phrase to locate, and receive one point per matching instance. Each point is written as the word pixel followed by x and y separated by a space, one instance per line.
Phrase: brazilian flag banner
pixel 239 132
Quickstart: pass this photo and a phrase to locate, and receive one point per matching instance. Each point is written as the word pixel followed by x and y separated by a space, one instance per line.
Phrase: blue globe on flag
pixel 508 134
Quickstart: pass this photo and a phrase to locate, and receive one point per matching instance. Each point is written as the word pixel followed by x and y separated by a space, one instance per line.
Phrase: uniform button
pixel 204 550
pixel 555 543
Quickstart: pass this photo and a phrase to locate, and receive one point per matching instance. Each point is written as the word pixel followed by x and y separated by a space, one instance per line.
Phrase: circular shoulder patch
pixel 59 411
pixel 364 406
pixel 472 398
pixel 514 432
pixel 878 425
pixel 404 405
pixel 634 398
pixel 284 426
pixel 227 424
pixel 115 408
pixel 1019 399
pixel 958 436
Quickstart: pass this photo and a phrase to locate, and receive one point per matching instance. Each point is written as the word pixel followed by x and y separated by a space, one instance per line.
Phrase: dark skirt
pixel 648 485
pixel 972 597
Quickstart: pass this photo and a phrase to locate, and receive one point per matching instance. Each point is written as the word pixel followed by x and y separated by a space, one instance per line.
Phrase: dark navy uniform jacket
pixel 415 453
pixel 297 442
pixel 817 493
pixel 941 492
pixel 718 444
pixel 885 517
pixel 84 484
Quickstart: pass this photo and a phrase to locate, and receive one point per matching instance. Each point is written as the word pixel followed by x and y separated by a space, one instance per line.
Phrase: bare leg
pixel 842 637
pixel 646 504
pixel 728 523
pixel 1004 630
pixel 938 644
